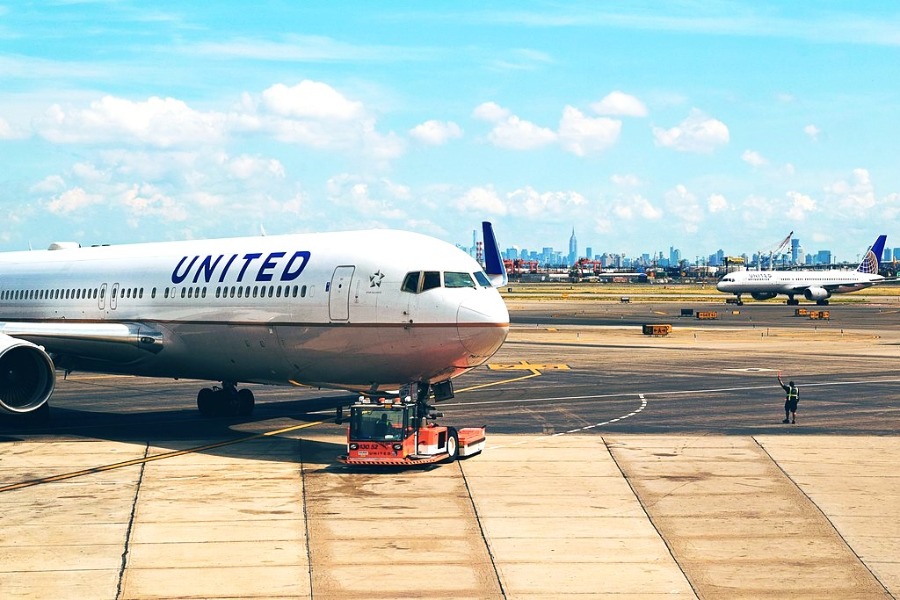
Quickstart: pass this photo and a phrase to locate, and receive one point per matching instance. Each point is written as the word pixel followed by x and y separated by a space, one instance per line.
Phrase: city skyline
pixel 792 253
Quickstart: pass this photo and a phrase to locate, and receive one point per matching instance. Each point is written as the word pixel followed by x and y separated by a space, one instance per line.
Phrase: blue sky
pixel 702 125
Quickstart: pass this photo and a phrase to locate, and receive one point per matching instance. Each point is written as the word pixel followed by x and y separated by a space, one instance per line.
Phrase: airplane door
pixel 101 300
pixel 339 293
pixel 113 296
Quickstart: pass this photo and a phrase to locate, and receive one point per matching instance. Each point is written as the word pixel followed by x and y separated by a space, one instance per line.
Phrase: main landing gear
pixel 225 401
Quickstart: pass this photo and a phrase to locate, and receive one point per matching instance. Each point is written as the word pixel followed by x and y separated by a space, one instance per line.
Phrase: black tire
pixel 245 403
pixel 452 445
pixel 206 402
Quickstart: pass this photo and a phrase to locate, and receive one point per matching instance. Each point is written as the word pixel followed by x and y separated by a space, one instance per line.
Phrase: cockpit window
pixel 482 279
pixel 432 280
pixel 458 280
pixel 411 282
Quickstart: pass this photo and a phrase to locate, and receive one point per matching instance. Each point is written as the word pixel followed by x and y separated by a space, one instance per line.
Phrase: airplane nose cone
pixel 482 322
pixel 722 286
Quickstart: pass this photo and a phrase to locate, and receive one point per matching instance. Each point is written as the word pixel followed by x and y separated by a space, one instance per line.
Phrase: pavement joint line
pixel 309 553
pixel 823 515
pixel 146 459
pixel 484 538
pixel 649 517
pixel 128 531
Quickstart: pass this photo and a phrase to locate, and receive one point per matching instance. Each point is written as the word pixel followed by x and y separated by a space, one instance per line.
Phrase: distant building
pixel 823 257
pixel 795 251
pixel 573 248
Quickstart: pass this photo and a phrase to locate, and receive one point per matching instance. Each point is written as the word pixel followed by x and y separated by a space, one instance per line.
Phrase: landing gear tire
pixel 452 445
pixel 225 402
pixel 245 403
pixel 207 402
pixel 792 302
pixel 822 302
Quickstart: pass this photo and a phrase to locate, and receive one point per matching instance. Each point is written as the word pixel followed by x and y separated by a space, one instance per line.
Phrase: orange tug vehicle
pixel 402 432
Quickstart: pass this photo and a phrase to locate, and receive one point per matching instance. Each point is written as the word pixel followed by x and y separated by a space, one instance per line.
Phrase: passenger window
pixel 411 282
pixel 458 280
pixel 432 280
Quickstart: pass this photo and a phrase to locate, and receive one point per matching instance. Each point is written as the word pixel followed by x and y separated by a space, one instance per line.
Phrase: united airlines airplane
pixel 366 311
pixel 812 285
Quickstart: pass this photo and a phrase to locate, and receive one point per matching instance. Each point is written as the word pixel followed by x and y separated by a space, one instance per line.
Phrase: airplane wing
pixel 118 342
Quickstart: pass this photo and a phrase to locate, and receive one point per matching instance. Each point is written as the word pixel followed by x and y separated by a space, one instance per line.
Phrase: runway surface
pixel 619 465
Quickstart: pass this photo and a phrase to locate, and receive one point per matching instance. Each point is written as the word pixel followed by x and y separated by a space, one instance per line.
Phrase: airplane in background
pixel 367 311
pixel 812 285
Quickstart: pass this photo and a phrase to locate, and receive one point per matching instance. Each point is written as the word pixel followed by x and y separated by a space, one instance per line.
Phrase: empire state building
pixel 573 248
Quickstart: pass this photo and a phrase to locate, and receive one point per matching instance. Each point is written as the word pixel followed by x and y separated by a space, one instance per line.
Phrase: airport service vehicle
pixel 816 286
pixel 402 432
pixel 366 311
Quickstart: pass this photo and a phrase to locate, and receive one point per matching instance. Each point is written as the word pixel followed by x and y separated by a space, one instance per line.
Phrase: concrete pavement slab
pixel 855 482
pixel 677 485
pixel 534 526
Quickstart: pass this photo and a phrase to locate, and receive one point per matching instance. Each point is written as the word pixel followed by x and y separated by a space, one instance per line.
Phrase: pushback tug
pixel 402 432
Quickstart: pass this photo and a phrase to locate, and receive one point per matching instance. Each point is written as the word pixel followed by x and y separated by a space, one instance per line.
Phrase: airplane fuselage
pixel 329 309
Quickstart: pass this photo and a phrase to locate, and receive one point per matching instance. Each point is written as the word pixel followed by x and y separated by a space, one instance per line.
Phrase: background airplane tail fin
pixel 871 262
pixel 493 262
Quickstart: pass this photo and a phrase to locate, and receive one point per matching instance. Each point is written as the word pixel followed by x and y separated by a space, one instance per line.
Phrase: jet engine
pixel 816 293
pixel 763 295
pixel 27 376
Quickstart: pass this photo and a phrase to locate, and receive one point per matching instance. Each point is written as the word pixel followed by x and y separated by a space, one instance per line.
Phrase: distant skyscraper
pixel 795 251
pixel 573 248
pixel 589 252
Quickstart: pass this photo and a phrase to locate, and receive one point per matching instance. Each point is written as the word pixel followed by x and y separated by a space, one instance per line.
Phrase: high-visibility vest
pixel 793 393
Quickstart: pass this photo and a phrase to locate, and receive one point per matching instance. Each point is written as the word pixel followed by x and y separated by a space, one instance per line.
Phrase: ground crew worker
pixel 791 398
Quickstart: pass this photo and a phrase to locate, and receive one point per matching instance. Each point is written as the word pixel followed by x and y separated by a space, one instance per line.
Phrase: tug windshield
pixel 381 423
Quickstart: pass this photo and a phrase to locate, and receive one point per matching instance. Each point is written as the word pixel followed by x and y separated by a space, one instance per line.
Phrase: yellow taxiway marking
pixel 146 459
pixel 527 366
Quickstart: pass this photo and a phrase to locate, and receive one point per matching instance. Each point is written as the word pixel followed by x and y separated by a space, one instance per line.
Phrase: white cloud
pixel 857 196
pixel 582 135
pixel 72 200
pixel 541 204
pixel 697 133
pixel 628 180
pixel 620 104
pixel 435 132
pixel 515 134
pixel 636 207
pixel 754 158
pixel 310 100
pixel 247 167
pixel 491 112
pixel 812 132
pixel 801 205
pixel 482 200
pixel 717 203
pixel 160 122
pixel 149 200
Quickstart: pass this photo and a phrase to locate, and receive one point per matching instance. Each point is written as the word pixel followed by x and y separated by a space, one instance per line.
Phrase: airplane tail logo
pixel 871 262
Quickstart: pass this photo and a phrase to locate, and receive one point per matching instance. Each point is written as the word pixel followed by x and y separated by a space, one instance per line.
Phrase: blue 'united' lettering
pixel 272 265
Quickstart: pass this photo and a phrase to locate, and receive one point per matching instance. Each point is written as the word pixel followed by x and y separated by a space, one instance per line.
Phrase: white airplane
pixel 366 311
pixel 812 285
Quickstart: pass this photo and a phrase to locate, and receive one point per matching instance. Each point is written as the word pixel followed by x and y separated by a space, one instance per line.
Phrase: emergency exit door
pixel 339 293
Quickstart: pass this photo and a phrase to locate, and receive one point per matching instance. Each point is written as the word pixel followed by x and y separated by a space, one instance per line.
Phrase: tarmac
pixel 618 466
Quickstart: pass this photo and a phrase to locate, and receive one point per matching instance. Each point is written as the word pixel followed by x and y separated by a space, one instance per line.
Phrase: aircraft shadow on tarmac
pixel 179 429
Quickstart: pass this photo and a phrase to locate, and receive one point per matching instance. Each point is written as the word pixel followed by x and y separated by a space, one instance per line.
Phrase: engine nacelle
pixel 816 293
pixel 27 376
pixel 763 295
